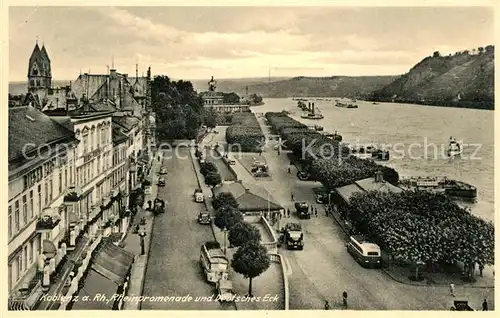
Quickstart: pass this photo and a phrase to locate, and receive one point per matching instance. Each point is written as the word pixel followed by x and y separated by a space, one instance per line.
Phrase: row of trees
pixel 423 228
pixel 178 108
pixel 210 172
pixel 251 258
pixel 245 132
pixel 326 159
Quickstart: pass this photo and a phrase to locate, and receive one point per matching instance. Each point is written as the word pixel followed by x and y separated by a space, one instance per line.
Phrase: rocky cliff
pixel 464 79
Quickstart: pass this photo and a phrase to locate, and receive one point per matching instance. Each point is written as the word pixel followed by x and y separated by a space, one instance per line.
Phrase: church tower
pixel 39 72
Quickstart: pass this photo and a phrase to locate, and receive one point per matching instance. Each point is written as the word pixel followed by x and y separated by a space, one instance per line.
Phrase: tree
pixel 224 199
pixel 243 232
pixel 231 98
pixel 227 217
pixel 436 54
pixel 210 118
pixel 480 50
pixel 177 107
pixel 213 178
pixel 251 260
pixel 207 167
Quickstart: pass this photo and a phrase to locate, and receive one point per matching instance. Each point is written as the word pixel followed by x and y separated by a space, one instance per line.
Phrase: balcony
pixel 48 221
pixel 73 194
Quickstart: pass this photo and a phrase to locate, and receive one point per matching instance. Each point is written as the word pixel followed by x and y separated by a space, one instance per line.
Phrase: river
pixel 417 138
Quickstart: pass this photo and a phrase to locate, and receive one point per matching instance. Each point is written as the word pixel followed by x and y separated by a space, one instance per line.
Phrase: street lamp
pixel 225 234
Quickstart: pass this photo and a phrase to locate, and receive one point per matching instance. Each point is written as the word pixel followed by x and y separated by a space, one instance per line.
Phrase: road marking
pixel 288 265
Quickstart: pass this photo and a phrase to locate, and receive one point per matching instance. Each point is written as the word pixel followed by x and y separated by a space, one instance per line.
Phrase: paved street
pixel 324 269
pixel 174 268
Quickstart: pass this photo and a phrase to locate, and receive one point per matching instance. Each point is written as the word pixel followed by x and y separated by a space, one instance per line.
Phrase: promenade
pixel 268 283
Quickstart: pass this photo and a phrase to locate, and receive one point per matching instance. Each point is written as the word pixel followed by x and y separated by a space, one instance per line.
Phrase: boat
pixel 308 115
pixel 454 148
pixel 443 185
pixel 334 136
pixel 311 113
pixel 344 105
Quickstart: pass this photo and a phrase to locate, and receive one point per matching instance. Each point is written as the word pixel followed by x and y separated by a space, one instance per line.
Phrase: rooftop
pixel 250 198
pixel 29 126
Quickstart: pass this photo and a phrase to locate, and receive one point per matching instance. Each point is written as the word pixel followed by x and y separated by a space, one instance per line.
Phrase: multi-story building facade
pixel 42 164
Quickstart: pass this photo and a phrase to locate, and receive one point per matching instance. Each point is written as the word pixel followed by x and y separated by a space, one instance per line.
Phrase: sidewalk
pixel 132 243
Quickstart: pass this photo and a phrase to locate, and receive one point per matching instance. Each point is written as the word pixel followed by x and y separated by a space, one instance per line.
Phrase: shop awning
pixel 112 261
pixel 95 284
pixel 49 249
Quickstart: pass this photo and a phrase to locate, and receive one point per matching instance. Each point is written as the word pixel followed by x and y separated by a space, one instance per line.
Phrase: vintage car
pixel 198 196
pixel 225 291
pixel 159 206
pixel 204 218
pixel 161 182
pixel 163 170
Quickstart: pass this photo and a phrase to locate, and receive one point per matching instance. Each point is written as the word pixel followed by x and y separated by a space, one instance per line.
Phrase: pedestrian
pixel 291 194
pixel 344 299
pixel 481 268
pixel 149 204
pixel 326 210
pixel 288 212
pixel 452 289
pixel 316 212
pixel 485 305
pixel 289 170
pixel 327 305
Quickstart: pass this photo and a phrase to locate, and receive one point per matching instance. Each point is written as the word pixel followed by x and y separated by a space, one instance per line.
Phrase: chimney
pixel 379 176
pixel 112 73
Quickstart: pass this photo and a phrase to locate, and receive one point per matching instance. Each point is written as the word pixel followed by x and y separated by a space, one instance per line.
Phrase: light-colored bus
pixel 365 253
pixel 213 261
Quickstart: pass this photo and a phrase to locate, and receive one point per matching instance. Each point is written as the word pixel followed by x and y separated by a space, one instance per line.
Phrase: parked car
pixel 163 170
pixel 161 182
pixel 225 291
pixel 198 196
pixel 204 218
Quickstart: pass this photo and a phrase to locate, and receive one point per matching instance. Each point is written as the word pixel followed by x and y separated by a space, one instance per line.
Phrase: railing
pixel 272 247
pixel 81 270
pixel 277 258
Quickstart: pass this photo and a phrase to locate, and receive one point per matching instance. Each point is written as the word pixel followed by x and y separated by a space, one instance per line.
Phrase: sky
pixel 237 42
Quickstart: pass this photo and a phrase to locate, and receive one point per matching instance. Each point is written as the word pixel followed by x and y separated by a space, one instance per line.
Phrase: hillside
pixel 459 80
pixel 236 85
pixel 20 88
pixel 335 86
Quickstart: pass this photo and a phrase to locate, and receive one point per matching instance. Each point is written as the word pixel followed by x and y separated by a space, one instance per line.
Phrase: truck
pixel 292 236
pixel 302 209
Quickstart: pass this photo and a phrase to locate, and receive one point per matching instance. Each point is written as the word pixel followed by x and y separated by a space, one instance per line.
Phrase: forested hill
pixel 335 86
pixel 464 79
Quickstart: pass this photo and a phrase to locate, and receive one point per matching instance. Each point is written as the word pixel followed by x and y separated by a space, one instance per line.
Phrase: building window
pixel 86 143
pixel 10 276
pixel 16 215
pixel 25 257
pixel 25 210
pixel 39 198
pixel 19 265
pixel 51 189
pixel 71 175
pixel 46 194
pixel 10 221
pixel 60 182
pixel 30 252
pixel 65 178
pixel 30 206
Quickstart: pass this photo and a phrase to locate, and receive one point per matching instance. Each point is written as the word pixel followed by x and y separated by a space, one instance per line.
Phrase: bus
pixel 213 261
pixel 365 253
